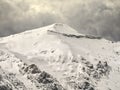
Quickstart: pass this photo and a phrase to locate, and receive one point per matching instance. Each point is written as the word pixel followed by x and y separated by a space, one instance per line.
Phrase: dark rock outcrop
pixel 41 79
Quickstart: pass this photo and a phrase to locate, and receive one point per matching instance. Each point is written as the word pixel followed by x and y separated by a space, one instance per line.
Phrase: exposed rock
pixel 15 82
pixel 32 69
pixel 44 78
pixel 80 84
pixel 41 79
pixel 45 81
pixel 4 86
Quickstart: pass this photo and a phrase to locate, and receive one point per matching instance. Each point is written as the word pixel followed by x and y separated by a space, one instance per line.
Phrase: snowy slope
pixel 77 61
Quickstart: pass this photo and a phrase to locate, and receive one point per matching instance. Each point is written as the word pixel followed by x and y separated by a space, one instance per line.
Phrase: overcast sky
pixel 97 17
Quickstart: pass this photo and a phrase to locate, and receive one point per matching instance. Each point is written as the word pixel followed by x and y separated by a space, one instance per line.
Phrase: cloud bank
pixel 97 17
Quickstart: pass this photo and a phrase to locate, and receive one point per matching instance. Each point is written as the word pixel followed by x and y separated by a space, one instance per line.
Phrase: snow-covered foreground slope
pixel 74 61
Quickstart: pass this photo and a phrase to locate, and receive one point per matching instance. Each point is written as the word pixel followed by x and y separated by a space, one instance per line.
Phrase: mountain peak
pixel 63 28
pixel 76 61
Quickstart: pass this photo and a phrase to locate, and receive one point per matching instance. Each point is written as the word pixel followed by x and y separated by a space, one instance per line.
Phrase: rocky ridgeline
pixel 76 36
pixel 81 83
pixel 96 71
pixel 41 79
pixel 8 80
pixel 89 75
pixel 87 79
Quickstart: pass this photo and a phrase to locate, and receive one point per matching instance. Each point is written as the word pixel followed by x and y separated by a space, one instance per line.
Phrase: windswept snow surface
pixel 75 61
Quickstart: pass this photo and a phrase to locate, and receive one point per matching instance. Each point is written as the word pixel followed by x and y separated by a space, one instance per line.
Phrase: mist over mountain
pixel 94 17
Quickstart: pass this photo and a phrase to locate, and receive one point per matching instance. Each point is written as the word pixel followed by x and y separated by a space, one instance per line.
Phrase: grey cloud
pixel 15 18
pixel 96 18
pixel 101 18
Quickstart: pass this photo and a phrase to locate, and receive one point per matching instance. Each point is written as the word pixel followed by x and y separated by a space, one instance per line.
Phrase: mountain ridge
pixel 77 61
pixel 53 32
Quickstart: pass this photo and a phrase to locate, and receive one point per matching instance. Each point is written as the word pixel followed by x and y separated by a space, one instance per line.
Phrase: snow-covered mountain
pixel 57 57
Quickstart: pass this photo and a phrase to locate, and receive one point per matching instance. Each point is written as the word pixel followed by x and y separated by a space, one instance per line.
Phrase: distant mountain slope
pixel 77 61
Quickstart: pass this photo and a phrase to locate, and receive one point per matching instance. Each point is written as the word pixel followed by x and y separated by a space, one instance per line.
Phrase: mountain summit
pixel 50 37
pixel 74 61
pixel 62 28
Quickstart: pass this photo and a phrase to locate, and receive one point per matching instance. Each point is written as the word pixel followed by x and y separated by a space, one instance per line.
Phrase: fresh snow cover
pixel 76 61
